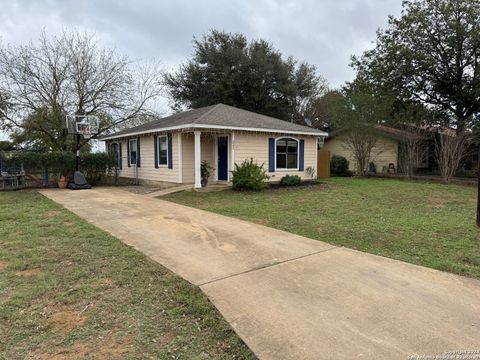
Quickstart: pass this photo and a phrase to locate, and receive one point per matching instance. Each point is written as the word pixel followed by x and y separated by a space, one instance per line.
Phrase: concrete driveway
pixel 291 297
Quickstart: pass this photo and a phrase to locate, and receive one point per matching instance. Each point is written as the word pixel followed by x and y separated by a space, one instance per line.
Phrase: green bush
pixel 290 180
pixel 339 166
pixel 249 176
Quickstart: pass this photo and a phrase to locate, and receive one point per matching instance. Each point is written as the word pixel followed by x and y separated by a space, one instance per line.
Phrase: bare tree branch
pixel 72 74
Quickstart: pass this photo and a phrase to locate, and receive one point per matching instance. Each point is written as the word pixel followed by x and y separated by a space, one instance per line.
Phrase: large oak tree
pixel 226 68
pixel 431 54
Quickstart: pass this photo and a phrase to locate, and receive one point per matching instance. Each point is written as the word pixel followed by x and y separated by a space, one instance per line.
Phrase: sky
pixel 323 32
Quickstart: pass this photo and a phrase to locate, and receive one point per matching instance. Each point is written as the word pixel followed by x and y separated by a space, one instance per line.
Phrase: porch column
pixel 232 156
pixel 198 157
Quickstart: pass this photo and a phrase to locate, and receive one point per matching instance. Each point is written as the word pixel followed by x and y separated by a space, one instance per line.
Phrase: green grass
pixel 422 223
pixel 68 289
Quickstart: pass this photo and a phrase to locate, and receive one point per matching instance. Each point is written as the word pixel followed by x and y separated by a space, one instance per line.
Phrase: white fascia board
pixel 277 131
pixel 221 127
pixel 150 131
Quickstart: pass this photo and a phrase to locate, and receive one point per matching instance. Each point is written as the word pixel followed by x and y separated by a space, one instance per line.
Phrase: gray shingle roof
pixel 218 116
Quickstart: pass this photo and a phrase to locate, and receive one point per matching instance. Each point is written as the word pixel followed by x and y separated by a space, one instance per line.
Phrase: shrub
pixel 290 180
pixel 249 176
pixel 339 166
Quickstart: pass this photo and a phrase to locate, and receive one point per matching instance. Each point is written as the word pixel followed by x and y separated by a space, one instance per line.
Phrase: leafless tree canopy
pixel 361 142
pixel 409 156
pixel 449 152
pixel 71 74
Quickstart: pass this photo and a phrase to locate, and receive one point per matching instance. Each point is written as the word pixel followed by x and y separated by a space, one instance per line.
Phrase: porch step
pixel 170 190
pixel 215 187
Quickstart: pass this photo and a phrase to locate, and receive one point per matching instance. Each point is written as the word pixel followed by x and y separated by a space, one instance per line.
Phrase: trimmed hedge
pixel 94 165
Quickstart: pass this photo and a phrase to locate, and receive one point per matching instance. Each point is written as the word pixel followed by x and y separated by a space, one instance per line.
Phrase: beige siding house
pixel 171 149
pixel 383 154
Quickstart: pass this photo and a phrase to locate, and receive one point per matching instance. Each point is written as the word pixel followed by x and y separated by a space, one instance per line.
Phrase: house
pixel 171 149
pixel 388 153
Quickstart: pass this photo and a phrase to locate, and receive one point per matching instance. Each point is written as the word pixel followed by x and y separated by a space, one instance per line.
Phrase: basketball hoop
pixel 81 125
pixel 85 125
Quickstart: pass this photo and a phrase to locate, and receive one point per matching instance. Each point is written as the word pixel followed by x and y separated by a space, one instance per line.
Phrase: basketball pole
pixel 77 157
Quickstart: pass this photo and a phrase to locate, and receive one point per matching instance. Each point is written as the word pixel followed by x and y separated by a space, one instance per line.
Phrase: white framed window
pixel 162 143
pixel 133 151
pixel 286 154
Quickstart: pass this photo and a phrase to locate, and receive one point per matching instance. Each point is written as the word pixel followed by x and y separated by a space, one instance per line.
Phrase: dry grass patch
pixel 29 272
pixel 435 202
pixel 3 265
pixel 104 282
pixel 112 346
pixel 66 321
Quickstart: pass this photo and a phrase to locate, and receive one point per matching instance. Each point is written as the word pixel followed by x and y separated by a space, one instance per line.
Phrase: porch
pixel 217 148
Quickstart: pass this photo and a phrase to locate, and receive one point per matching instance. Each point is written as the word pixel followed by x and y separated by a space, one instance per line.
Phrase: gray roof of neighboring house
pixel 381 130
pixel 218 116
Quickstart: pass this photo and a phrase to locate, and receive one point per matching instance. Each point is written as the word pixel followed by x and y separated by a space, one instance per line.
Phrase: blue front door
pixel 222 165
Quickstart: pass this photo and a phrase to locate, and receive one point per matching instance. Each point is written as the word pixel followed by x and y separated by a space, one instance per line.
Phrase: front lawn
pixel 422 223
pixel 71 291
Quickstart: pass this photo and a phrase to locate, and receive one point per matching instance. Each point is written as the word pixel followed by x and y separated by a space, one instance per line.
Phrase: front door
pixel 222 150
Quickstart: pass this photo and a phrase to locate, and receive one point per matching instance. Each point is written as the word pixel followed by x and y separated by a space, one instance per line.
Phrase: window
pixel 133 151
pixel 114 150
pixel 163 150
pixel 287 153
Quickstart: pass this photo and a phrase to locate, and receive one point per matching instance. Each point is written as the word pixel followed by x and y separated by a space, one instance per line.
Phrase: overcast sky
pixel 322 32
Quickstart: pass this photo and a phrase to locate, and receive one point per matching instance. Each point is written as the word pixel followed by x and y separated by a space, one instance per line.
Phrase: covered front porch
pixel 217 148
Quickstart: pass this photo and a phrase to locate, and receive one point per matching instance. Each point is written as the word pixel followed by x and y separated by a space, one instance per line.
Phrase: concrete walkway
pixel 291 297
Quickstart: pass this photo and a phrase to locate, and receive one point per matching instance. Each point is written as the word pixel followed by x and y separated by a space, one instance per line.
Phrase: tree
pixel 321 111
pixel 409 151
pixel 449 151
pixel 70 74
pixel 411 118
pixel 228 69
pixel 431 54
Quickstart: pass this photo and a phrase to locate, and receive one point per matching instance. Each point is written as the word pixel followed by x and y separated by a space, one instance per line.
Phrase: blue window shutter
pixel 138 152
pixel 170 159
pixel 301 155
pixel 128 152
pixel 155 150
pixel 119 156
pixel 271 155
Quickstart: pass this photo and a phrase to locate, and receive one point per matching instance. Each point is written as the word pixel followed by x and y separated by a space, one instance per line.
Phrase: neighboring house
pixel 387 154
pixel 171 149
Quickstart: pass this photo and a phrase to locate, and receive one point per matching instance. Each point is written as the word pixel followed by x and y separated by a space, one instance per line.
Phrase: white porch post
pixel 180 158
pixel 198 157
pixel 232 156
